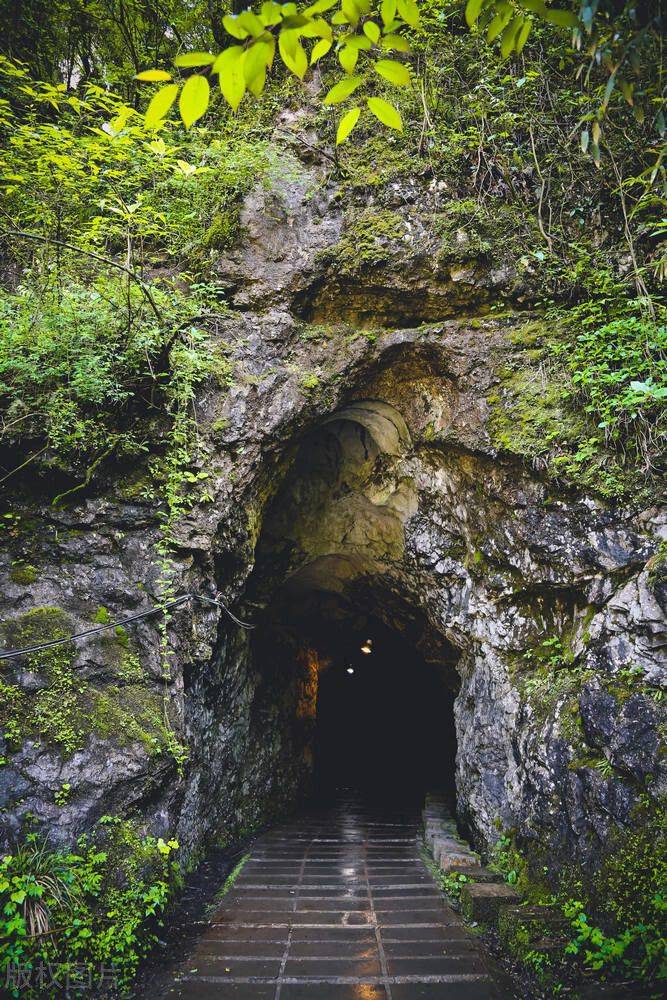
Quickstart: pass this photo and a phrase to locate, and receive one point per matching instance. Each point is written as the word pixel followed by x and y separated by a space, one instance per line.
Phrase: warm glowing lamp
pixel 367 646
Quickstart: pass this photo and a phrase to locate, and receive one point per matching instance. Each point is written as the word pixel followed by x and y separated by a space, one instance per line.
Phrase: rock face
pixel 351 467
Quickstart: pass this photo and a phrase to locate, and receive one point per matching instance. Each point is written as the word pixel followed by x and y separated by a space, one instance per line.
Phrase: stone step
pixel 445 818
pixel 477 873
pixel 443 831
pixel 528 928
pixel 450 861
pixel 445 842
pixel 481 902
pixel 434 815
pixel 434 797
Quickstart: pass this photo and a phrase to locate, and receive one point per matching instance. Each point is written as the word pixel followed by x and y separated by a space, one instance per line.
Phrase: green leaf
pixel 348 58
pixel 160 104
pixel 346 124
pixel 153 76
pixel 251 23
pixel 190 59
pixel 351 11
pixel 535 6
pixel 388 11
pixel 256 86
pixel 295 20
pixel 317 29
pixel 608 90
pixel 342 90
pixel 270 13
pixel 372 31
pixel 473 10
pixel 233 27
pixel 509 36
pixel 255 61
pixel 194 99
pixel 395 42
pixel 288 42
pixel 395 72
pixel 320 6
pixel 522 37
pixel 385 112
pixel 296 62
pixel 409 11
pixel 357 42
pixel 498 24
pixel 562 18
pixel 319 50
pixel 228 58
pixel 585 139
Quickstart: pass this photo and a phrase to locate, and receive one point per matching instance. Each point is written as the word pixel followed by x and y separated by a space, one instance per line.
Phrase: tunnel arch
pixel 329 574
pixel 340 509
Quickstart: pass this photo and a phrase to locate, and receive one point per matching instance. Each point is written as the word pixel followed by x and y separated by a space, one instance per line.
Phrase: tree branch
pixel 22 234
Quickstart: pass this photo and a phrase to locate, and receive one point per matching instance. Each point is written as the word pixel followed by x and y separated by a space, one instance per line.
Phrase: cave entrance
pixel 361 700
pixel 384 723
pixel 329 575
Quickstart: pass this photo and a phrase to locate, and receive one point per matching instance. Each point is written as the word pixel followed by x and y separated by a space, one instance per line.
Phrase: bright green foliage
pixel 93 358
pixel 350 28
pixel 588 403
pixel 617 918
pixel 620 369
pixel 66 365
pixel 622 928
pixel 97 904
pixel 619 46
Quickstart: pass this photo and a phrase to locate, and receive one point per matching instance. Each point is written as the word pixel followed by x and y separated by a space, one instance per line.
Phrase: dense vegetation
pixel 81 919
pixel 110 311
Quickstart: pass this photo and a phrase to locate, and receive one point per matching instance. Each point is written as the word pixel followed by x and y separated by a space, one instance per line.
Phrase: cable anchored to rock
pixel 158 609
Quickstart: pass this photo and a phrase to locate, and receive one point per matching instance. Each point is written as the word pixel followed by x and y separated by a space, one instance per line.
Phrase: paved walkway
pixel 334 906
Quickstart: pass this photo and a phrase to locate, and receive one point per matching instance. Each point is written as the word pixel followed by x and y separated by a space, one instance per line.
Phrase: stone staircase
pixel 489 902
pixel 484 893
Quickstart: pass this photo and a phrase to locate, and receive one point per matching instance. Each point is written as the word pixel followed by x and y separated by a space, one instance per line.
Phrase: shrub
pixel 83 913
pixel 620 372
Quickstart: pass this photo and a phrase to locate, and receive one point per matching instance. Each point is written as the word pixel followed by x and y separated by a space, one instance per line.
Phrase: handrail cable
pixel 158 609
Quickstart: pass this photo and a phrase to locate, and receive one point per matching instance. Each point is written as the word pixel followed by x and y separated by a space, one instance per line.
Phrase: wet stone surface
pixel 336 905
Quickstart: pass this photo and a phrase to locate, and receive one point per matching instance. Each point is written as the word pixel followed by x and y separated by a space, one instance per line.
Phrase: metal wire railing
pixel 156 610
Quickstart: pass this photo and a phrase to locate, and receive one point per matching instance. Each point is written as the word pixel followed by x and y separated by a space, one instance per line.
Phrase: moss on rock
pixel 66 709
pixel 369 240
pixel 533 416
pixel 23 573
pixel 469 230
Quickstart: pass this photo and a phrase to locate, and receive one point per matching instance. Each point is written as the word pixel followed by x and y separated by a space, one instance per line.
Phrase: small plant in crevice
pixel 62 796
pixel 450 882
pixel 506 859
pixel 227 884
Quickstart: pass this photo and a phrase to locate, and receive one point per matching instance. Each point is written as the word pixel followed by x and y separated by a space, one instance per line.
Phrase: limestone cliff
pixel 367 456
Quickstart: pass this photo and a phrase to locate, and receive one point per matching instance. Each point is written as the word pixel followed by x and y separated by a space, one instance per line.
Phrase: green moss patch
pixel 586 409
pixel 472 230
pixel 23 574
pixel 66 709
pixel 370 239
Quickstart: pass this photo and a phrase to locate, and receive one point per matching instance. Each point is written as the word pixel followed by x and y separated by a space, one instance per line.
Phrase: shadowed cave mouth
pixel 359 684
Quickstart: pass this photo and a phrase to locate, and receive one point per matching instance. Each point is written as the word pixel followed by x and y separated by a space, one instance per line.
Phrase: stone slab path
pixel 333 906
